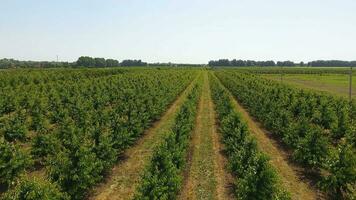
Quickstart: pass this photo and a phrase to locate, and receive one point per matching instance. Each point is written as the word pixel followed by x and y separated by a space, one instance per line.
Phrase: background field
pixel 334 83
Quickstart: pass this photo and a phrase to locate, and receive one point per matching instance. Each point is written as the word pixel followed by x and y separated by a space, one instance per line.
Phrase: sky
pixel 182 31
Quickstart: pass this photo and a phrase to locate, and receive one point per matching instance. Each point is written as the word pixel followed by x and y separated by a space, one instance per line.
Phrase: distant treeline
pixel 248 63
pixel 11 63
pixel 332 63
pixel 86 61
pixel 169 64
pixel 83 61
pixel 240 63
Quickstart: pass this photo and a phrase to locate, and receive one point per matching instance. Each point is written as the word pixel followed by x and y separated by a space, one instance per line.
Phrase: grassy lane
pixel 125 176
pixel 290 175
pixel 206 177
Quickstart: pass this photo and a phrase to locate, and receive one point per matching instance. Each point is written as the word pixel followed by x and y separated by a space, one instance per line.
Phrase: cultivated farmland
pixel 176 133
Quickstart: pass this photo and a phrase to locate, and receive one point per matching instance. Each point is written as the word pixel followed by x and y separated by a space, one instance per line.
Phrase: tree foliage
pixel 311 124
pixel 340 182
pixel 255 177
pixel 35 189
pixel 13 162
pixel 162 178
pixel 77 122
pixel 240 63
pixel 130 63
pixel 249 63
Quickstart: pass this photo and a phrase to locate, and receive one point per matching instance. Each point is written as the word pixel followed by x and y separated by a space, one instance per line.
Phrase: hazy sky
pixel 190 31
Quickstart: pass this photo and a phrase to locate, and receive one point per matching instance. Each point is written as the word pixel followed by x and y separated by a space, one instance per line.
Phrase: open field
pixel 296 70
pixel 175 133
pixel 333 83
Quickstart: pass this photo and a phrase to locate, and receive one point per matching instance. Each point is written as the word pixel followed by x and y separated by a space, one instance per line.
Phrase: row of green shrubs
pixel 318 128
pixel 34 189
pixel 255 177
pixel 162 178
pixel 82 128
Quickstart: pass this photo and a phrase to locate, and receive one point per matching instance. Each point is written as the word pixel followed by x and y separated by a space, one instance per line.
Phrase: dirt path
pixel 125 176
pixel 290 177
pixel 206 176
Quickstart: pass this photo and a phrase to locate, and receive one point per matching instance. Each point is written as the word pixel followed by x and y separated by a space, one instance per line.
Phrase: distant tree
pixel 11 63
pixel 6 63
pixel 112 63
pixel 224 62
pixel 85 61
pixel 250 63
pixel 211 63
pixel 265 63
pixel 241 63
pixel 233 62
pixel 100 62
pixel 237 63
pixel 331 63
pixel 285 63
pixel 128 63
pixel 220 62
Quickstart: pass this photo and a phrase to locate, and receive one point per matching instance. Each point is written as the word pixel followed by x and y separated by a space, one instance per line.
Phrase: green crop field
pixel 175 133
